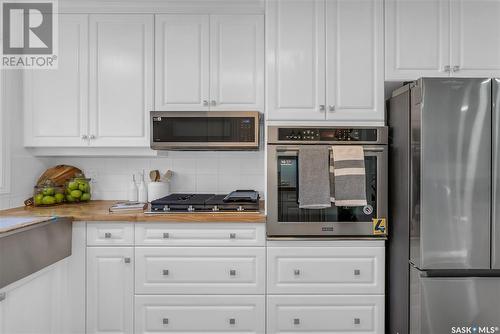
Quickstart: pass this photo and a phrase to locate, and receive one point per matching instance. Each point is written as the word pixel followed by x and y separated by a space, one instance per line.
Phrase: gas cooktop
pixel 237 201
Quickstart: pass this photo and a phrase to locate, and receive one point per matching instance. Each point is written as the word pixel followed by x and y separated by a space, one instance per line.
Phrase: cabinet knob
pixel 331 108
pixel 2 296
pixel 165 272
pixel 447 68
pixel 232 321
pixel 296 272
pixel 127 260
pixel 205 103
pixel 321 107
pixel 232 235
pixel 107 235
pixel 296 321
pixel 357 272
pixel 85 137
pixel 213 103
pixel 165 321
pixel 456 68
pixel 232 272
pixel 92 137
pixel 357 321
pixel 166 235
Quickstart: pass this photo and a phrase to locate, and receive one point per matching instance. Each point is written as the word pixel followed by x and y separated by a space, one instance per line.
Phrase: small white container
pixel 132 190
pixel 142 196
pixel 158 190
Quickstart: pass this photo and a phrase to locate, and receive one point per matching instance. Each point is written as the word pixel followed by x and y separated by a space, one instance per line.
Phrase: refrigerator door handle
pixel 495 211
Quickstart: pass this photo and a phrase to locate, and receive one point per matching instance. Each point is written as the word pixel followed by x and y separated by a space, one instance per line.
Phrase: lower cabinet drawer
pixel 199 270
pixel 325 314
pixel 200 314
pixel 110 234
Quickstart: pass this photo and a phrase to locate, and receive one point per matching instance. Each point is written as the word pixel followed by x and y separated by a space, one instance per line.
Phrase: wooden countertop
pixel 99 211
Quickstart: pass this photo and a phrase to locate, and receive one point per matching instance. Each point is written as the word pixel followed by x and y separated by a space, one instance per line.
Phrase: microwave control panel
pixel 327 134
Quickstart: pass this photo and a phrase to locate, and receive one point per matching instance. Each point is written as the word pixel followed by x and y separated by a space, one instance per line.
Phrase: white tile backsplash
pixel 199 172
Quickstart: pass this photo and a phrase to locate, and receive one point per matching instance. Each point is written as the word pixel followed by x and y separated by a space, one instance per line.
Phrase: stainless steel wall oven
pixel 285 218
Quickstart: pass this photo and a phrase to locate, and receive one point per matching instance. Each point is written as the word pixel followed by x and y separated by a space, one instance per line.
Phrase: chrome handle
pixel 165 321
pixel 296 321
pixel 165 272
pixel 166 235
pixel 232 272
pixel 107 235
pixel 456 68
pixel 127 260
pixel 232 235
pixel 296 272
pixel 447 68
pixel 85 137
pixel 331 108
pixel 357 272
pixel 232 321
pixel 321 107
pixel 92 137
pixel 205 103
pixel 357 321
pixel 213 103
pixel 2 296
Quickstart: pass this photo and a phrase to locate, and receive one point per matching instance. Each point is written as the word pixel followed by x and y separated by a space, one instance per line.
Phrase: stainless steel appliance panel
pixel 495 256
pixel 454 156
pixel 439 304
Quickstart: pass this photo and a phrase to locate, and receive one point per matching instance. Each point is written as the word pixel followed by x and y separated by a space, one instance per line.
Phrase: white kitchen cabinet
pixel 295 53
pixel 475 38
pixel 325 60
pixel 121 79
pixel 355 60
pixel 110 290
pixel 325 314
pixel 182 62
pixel 200 314
pixel 209 62
pixel 441 38
pixel 237 62
pixel 110 234
pixel 56 101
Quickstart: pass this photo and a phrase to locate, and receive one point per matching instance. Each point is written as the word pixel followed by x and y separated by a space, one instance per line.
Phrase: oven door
pixel 285 218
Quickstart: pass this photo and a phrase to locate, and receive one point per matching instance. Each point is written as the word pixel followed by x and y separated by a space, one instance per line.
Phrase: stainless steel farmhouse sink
pixel 28 249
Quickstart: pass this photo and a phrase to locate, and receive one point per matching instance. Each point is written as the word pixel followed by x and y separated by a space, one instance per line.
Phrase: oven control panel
pixel 327 134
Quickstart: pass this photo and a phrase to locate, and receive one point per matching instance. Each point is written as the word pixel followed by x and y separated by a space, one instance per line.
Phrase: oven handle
pixel 294 150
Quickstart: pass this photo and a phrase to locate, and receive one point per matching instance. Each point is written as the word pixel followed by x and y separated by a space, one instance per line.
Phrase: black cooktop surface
pixel 202 203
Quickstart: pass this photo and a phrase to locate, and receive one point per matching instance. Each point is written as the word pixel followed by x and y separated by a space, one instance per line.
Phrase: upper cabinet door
pixel 475 38
pixel 121 77
pixel 354 60
pixel 417 39
pixel 237 62
pixel 64 123
pixel 295 59
pixel 182 62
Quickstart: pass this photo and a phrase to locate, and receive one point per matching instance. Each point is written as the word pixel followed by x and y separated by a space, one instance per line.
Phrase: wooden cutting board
pixel 58 174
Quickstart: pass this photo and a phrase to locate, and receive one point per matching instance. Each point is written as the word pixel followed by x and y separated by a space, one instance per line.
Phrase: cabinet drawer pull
pixel 232 272
pixel 296 321
pixel 165 272
pixel 357 321
pixel 447 68
pixel 127 260
pixel 165 321
pixel 166 235
pixel 455 68
pixel 331 108
pixel 205 103
pixel 232 235
pixel 213 103
pixel 321 107
pixel 232 321
pixel 107 235
pixel 357 272
pixel 296 272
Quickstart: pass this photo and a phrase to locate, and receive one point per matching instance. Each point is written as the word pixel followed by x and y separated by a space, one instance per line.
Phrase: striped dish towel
pixel 348 182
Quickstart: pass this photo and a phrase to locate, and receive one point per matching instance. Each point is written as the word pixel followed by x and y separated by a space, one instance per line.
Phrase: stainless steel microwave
pixel 205 130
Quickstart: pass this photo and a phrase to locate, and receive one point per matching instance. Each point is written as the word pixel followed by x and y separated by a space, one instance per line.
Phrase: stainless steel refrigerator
pixel 444 243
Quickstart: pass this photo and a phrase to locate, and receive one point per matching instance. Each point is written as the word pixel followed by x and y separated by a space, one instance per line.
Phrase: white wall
pixel 208 172
pixel 22 168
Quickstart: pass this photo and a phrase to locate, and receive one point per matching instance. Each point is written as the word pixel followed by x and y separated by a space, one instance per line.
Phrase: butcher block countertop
pixel 99 211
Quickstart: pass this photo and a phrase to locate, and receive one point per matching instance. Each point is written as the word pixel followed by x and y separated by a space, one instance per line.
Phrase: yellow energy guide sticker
pixel 379 226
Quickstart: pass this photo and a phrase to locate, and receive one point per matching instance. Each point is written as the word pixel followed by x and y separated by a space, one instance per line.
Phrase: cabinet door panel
pixel 121 67
pixel 417 39
pixel 475 38
pixel 110 290
pixel 237 62
pixel 61 123
pixel 295 59
pixel 354 53
pixel 182 62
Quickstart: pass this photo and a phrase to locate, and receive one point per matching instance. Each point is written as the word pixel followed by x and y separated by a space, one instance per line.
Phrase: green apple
pixel 85 197
pixel 48 192
pixel 70 198
pixel 76 193
pixel 48 200
pixel 59 198
pixel 73 185
pixel 38 199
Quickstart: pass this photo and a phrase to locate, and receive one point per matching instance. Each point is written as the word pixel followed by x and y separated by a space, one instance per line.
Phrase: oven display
pixel 327 134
